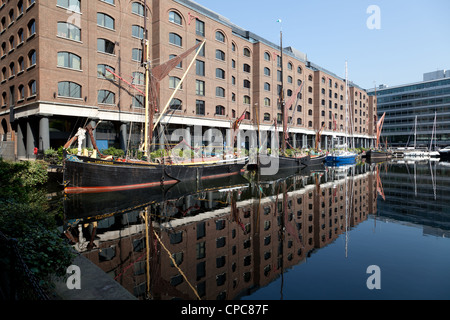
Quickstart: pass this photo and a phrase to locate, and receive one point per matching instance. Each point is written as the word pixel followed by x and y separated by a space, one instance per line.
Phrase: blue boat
pixel 340 157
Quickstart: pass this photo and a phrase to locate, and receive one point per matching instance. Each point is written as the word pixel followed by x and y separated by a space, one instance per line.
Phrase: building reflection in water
pixel 226 239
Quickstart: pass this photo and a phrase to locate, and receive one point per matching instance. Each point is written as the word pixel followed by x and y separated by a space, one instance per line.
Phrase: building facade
pixel 411 110
pixel 69 63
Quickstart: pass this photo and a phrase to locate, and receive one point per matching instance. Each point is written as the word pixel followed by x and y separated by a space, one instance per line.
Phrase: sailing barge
pixel 91 175
pixel 84 174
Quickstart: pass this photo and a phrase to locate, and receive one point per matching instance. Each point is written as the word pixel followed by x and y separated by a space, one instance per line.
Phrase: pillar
pixel 21 140
pixel 162 137
pixel 31 140
pixel 123 137
pixel 44 134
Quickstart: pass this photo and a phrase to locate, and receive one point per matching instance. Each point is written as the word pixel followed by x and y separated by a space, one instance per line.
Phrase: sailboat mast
pixel 145 58
pixel 282 104
pixel 346 106
pixel 415 132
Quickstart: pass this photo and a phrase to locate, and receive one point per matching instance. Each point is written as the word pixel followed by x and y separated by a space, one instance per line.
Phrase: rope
pixel 176 266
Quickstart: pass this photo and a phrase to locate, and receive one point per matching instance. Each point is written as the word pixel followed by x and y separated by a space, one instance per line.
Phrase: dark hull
pixel 84 175
pixel 317 160
pixel 444 155
pixel 282 162
pixel 377 155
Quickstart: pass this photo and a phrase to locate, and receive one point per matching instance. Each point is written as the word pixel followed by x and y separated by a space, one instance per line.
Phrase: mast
pixel 282 104
pixel 145 58
pixel 415 132
pixel 346 107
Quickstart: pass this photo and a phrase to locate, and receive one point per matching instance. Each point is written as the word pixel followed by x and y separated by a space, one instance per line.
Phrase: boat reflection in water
pixel 223 240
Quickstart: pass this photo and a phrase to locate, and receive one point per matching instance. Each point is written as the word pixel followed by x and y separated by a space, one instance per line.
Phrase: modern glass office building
pixel 411 110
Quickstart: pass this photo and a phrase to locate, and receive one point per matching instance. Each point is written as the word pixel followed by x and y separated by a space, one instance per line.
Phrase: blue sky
pixel 413 38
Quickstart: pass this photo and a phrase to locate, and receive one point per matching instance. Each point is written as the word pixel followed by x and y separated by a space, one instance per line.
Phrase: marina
pixel 309 235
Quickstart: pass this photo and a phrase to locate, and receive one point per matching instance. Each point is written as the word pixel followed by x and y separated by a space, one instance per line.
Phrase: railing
pixel 17 282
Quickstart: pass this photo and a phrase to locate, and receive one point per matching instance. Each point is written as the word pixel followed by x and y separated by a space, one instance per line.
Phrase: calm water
pixel 312 235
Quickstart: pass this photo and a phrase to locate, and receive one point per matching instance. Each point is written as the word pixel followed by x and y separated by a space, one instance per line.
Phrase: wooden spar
pixel 127 82
pixel 178 86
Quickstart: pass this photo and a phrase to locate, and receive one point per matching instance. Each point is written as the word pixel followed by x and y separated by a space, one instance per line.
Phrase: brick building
pixel 56 56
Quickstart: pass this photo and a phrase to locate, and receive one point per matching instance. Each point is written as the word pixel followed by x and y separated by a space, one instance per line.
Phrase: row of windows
pixel 14 14
pixel 72 32
pixel 31 62
pixel 31 28
pixel 21 92
pixel 75 5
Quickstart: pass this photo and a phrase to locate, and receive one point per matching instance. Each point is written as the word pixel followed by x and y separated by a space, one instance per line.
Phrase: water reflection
pixel 425 187
pixel 221 239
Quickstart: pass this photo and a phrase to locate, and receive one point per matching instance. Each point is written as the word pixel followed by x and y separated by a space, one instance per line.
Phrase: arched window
pixel 72 5
pixel 136 54
pixel 138 101
pixel 299 121
pixel 69 31
pixel 105 21
pixel 175 18
pixel 176 104
pixel 220 55
pixel 267 71
pixel 12 69
pixel 138 78
pixel 247 84
pixel 266 56
pixel 266 116
pixel 220 73
pixel 220 110
pixel 69 60
pixel 175 39
pixel 69 89
pixel 105 46
pixel 21 64
pixel 106 97
pixel 32 88
pixel 247 68
pixel 19 7
pixel 20 35
pixel 220 92
pixel 31 58
pixel 173 82
pixel 137 8
pixel 289 66
pixel 247 100
pixel 299 70
pixel 137 31
pixel 104 73
pixel 21 91
pixel 247 52
pixel 220 36
pixel 12 43
pixel 266 102
pixel 267 86
pixel 31 28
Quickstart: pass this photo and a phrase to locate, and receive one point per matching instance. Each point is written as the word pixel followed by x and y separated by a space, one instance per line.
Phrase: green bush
pixel 25 216
pixel 111 151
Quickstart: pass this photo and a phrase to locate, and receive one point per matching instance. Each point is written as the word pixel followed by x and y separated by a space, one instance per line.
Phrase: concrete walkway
pixel 95 285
